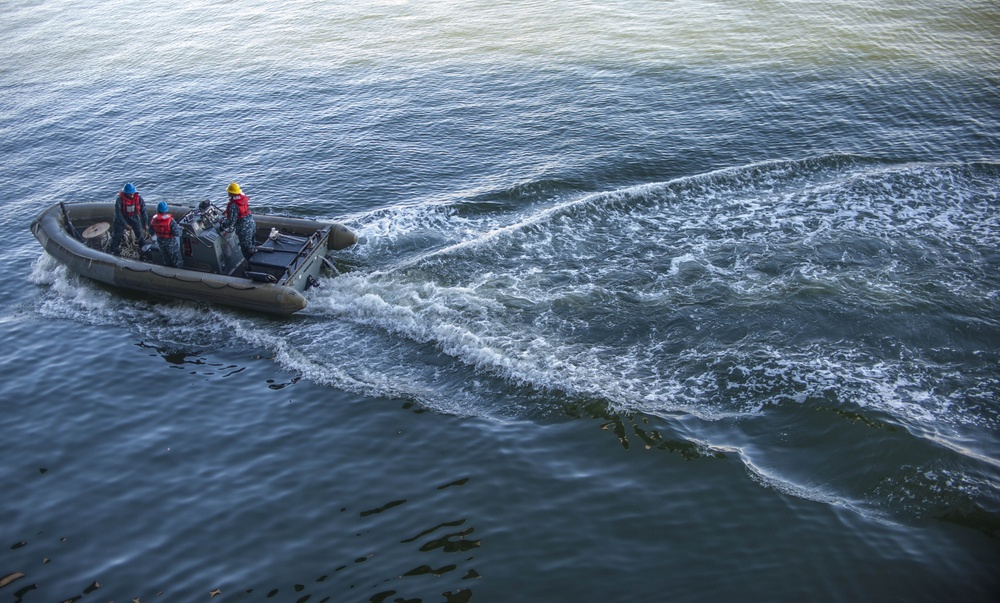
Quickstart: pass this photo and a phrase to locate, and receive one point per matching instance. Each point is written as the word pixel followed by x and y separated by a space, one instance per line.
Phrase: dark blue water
pixel 651 303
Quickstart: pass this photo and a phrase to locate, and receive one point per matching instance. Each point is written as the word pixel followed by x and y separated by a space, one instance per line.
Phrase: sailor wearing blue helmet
pixel 168 236
pixel 130 211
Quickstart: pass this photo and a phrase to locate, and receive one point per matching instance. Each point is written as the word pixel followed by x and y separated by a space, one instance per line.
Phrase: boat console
pixel 204 246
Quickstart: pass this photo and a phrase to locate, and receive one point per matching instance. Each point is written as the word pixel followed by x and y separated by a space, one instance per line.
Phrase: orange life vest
pixel 161 225
pixel 130 204
pixel 242 203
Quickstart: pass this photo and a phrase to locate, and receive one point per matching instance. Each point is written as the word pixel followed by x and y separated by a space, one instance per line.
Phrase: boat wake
pixel 837 297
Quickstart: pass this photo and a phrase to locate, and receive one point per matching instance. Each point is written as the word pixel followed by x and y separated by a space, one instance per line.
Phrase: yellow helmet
pixel 234 189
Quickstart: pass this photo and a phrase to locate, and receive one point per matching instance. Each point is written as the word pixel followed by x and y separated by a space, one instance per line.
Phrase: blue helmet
pixel 129 188
pixel 162 207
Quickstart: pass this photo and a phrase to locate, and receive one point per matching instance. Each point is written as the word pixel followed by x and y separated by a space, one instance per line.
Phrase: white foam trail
pixel 546 298
pixel 666 298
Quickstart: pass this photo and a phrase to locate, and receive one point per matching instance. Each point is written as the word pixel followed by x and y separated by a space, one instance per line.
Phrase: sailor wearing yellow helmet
pixel 239 217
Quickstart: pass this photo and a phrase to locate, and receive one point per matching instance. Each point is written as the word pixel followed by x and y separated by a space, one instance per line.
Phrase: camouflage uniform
pixel 245 227
pixel 170 249
pixel 138 223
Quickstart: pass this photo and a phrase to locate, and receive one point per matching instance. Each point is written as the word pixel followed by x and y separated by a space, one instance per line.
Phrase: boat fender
pixel 341 238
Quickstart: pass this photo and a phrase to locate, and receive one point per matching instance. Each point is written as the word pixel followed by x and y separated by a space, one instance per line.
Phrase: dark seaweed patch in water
pixel 941 492
pixel 459 596
pixel 688 450
pixel 339 580
pixel 646 429
pixel 975 517
pixel 460 482
pixel 449 524
pixel 179 357
pixel 415 407
pixel 19 595
pixel 384 507
pixel 452 543
pixel 382 596
pixel 426 569
pixel 858 417
pixel 271 384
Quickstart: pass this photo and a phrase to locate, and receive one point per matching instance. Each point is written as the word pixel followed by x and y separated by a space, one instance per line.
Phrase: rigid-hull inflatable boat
pixel 290 254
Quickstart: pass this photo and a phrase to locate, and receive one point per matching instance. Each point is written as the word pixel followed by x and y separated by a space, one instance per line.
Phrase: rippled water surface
pixel 653 301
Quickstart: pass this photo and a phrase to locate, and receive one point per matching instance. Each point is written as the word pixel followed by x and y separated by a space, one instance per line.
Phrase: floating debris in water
pixel 10 578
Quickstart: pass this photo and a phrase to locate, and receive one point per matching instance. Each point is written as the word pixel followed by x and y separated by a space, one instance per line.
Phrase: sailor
pixel 130 210
pixel 168 236
pixel 238 216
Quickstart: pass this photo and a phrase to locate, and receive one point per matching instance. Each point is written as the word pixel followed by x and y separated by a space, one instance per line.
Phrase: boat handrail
pixel 68 224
